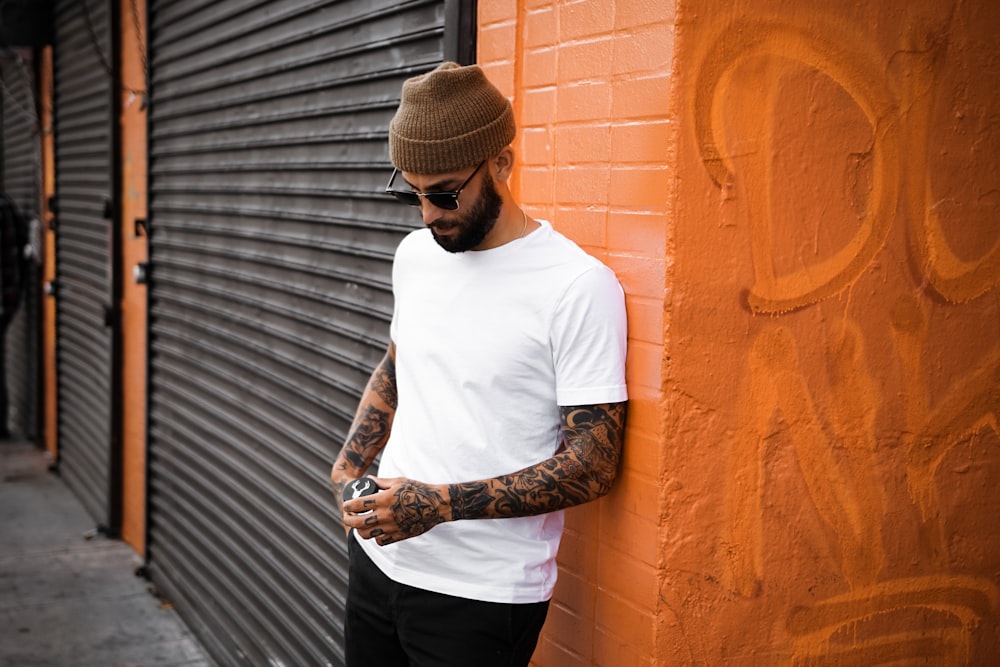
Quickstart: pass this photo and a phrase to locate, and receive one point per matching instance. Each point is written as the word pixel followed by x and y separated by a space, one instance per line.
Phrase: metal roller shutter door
pixel 270 249
pixel 84 146
pixel 21 178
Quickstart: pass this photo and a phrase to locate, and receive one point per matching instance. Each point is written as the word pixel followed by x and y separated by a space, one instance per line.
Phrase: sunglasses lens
pixel 443 200
pixel 446 202
pixel 408 198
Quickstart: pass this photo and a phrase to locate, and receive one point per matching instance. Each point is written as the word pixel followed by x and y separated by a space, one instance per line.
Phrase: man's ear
pixel 503 163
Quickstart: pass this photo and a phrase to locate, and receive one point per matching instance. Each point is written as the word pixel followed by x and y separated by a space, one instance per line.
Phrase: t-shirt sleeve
pixel 589 333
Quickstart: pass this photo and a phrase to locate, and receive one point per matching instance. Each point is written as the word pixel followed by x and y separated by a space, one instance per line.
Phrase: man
pixel 499 402
pixel 13 232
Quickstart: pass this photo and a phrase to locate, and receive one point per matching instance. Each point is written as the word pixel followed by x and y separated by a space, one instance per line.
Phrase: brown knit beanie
pixel 449 119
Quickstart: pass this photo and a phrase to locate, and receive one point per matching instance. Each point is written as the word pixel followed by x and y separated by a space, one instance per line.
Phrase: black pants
pixel 395 625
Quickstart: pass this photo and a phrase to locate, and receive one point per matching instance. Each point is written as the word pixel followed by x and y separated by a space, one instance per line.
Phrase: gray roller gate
pixel 85 147
pixel 270 252
pixel 20 166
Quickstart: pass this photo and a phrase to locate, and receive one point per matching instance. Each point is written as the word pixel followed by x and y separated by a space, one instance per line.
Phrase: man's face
pixel 467 228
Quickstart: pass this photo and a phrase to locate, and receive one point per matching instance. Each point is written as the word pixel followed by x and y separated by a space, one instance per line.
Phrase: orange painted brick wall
pixel 590 83
pixel 800 200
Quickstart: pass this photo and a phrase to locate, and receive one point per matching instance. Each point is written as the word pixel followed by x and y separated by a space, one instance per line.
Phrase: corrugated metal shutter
pixel 21 142
pixel 84 146
pixel 270 299
pixel 21 182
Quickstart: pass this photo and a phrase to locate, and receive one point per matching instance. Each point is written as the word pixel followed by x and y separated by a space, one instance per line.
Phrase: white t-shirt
pixel 489 344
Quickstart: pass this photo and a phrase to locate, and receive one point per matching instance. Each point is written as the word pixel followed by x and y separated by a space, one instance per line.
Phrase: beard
pixel 476 224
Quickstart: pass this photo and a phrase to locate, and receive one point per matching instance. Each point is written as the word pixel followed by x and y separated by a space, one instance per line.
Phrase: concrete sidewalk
pixel 69 599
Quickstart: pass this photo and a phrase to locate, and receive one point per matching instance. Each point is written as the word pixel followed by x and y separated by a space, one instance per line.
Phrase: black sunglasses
pixel 447 201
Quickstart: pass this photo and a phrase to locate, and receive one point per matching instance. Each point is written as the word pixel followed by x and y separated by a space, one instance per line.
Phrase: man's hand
pixel 401 509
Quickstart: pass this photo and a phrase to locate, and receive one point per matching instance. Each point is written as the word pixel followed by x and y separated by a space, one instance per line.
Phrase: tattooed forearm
pixel 383 381
pixel 372 423
pixel 368 434
pixel 470 500
pixel 583 471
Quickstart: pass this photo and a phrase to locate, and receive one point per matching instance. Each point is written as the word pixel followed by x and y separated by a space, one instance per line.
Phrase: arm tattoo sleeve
pixel 383 382
pixel 583 470
pixel 373 421
pixel 369 432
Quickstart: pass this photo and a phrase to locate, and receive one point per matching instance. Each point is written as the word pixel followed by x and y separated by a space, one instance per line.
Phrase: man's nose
pixel 429 212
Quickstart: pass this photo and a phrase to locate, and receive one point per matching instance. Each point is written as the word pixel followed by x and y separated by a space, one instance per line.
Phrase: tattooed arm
pixel 370 430
pixel 583 470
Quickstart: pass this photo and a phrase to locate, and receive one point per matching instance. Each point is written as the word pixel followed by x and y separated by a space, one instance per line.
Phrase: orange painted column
pixel 590 84
pixel 50 416
pixel 832 461
pixel 134 253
